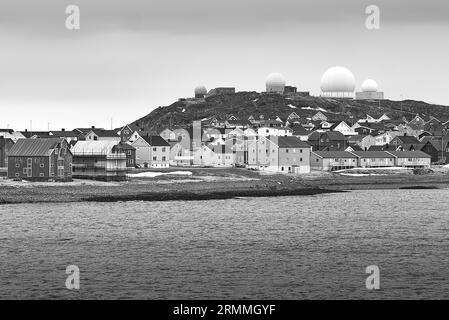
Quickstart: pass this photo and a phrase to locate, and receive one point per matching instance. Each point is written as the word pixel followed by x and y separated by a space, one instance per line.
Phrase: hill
pixel 244 104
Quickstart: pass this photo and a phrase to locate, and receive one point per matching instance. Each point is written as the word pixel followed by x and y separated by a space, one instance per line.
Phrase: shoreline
pixel 210 184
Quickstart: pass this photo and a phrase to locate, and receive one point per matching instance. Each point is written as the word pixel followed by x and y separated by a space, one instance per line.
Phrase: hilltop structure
pixel 338 82
pixel 369 91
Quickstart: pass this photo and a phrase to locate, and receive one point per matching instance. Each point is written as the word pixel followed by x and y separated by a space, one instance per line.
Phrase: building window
pixel 25 171
pixel 154 149
pixel 163 158
pixel 17 165
pixel 300 150
pixel 154 158
pixel 41 165
pixel 163 149
pixel 41 174
pixel 300 159
pixel 286 150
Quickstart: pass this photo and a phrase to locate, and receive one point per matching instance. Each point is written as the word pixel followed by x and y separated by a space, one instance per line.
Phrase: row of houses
pixel 295 146
pixel 339 160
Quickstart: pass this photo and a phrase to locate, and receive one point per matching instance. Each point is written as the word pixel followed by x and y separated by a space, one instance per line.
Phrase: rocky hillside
pixel 244 104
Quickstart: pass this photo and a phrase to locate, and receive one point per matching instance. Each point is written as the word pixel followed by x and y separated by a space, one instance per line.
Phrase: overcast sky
pixel 132 56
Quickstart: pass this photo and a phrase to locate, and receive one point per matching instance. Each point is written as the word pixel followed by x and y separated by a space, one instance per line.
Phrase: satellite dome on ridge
pixel 200 92
pixel 275 83
pixel 369 85
pixel 338 82
pixel 370 91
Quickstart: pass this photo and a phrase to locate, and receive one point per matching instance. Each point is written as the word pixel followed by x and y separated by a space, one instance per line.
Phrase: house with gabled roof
pixel 152 151
pixel 334 139
pixel 284 154
pixel 217 154
pixel 344 128
pixel 40 160
pixel 319 116
pixel 332 160
pixel 374 159
pixel 99 160
pixel 411 159
pixel 102 134
pixel 300 132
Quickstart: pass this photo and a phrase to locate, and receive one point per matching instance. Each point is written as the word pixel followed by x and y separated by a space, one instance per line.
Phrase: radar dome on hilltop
pixel 369 85
pixel 275 83
pixel 338 82
pixel 200 92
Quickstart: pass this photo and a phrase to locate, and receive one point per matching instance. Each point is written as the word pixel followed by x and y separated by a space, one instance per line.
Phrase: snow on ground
pixel 316 109
pixel 156 174
pixel 371 169
pixel 292 106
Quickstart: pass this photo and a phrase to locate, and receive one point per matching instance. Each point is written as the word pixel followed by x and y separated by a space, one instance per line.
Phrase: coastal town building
pixel 279 154
pixel 99 160
pixel 152 151
pixel 101 134
pixel 411 159
pixel 374 159
pixel 332 160
pixel 40 160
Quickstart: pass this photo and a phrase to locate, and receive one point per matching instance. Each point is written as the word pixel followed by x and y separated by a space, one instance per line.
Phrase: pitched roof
pixel 385 147
pixel 334 154
pixel 289 142
pixel 96 147
pixel 105 133
pixel 372 154
pixel 63 134
pixel 409 154
pixel 408 139
pixel 39 134
pixel 34 147
pixel 299 131
pixel 156 141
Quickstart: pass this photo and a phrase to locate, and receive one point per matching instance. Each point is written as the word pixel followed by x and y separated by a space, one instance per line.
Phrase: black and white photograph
pixel 253 151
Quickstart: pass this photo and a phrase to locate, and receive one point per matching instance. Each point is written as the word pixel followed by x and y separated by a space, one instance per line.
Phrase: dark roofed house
pixel 102 134
pixel 433 149
pixel 36 134
pixel 330 139
pixel 293 154
pixel 40 160
pixel 152 151
pixel 66 134
pixel 300 132
pixel 129 150
pixel 407 142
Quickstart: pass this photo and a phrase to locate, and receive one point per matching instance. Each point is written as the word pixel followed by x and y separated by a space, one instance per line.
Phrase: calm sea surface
pixel 307 247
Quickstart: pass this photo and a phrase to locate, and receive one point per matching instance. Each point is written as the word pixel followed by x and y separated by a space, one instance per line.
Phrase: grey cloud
pixel 209 16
